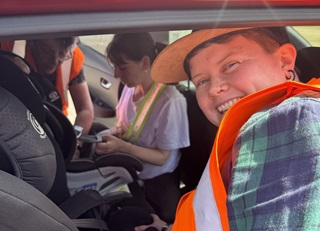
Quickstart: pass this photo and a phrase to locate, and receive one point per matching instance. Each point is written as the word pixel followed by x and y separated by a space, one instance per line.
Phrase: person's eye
pixel 201 82
pixel 231 66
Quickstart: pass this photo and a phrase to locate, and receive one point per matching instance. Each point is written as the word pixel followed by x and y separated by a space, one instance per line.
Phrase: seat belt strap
pixel 143 112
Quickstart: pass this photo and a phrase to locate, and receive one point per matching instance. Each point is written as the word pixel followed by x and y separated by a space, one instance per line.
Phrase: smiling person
pixel 263 172
pixel 153 118
pixel 58 63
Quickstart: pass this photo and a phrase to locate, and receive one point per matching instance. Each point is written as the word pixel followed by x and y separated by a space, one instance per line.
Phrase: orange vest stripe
pixel 235 117
pixel 77 61
pixel 184 216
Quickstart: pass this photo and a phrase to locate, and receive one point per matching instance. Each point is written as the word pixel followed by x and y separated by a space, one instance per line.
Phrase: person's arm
pixel 276 169
pixel 83 105
pixel 148 155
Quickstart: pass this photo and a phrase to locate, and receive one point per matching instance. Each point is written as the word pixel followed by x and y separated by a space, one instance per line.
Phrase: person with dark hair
pixel 263 172
pixel 58 64
pixel 153 120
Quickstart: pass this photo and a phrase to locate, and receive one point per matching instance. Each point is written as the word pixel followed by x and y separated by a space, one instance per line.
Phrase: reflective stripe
pixel 144 112
pixel 72 69
pixel 204 205
pixel 65 72
pixel 19 48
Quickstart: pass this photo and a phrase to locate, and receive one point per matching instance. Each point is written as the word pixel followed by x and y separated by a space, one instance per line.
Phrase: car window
pixel 174 35
pixel 310 33
pixel 99 42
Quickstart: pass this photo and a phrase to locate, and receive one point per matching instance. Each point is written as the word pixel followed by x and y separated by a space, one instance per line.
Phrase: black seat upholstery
pixel 15 81
pixel 25 208
pixel 62 130
pixel 24 144
pixel 202 133
pixel 307 63
pixel 35 158
pixel 29 92
pixel 29 151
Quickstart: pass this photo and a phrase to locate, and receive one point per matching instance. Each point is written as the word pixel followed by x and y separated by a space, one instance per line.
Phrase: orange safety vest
pixel 66 72
pixel 205 208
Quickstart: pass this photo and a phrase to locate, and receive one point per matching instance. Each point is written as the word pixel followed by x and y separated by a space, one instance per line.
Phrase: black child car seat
pixel 307 63
pixel 29 151
pixel 33 210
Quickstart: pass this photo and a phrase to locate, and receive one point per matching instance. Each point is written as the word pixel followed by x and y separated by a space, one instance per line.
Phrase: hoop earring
pixel 292 75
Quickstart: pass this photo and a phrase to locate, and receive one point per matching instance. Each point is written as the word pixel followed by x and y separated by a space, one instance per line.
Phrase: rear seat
pixel 308 63
pixel 202 133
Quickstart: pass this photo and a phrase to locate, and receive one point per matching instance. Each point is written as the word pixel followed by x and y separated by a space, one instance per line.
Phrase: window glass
pixel 100 42
pixel 97 42
pixel 310 33
pixel 174 35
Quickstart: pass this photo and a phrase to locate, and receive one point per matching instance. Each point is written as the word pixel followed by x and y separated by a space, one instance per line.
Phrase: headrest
pixel 24 207
pixel 307 62
pixel 20 84
pixel 24 144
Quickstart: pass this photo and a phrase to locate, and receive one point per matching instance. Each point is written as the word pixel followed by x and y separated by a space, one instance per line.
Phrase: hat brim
pixel 168 66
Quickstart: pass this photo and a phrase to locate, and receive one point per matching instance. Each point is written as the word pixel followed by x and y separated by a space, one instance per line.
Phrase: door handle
pixel 105 83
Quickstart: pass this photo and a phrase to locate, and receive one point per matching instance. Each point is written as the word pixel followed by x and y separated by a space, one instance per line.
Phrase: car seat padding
pixel 25 144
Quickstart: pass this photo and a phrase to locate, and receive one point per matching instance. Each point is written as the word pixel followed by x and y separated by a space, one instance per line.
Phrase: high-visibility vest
pixel 66 72
pixel 143 112
pixel 205 208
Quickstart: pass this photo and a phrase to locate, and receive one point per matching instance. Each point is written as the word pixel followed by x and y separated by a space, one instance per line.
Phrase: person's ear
pixel 288 54
pixel 146 62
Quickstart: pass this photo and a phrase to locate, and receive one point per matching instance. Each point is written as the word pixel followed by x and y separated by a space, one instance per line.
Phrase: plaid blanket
pixel 275 182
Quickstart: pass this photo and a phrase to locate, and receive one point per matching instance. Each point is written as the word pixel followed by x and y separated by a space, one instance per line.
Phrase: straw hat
pixel 168 66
